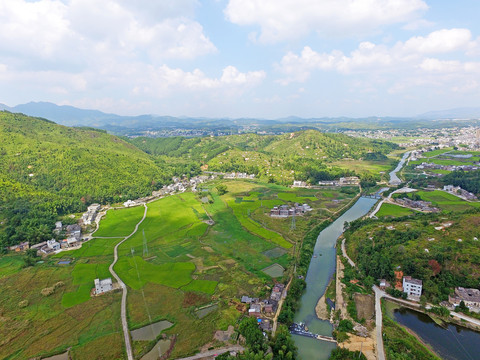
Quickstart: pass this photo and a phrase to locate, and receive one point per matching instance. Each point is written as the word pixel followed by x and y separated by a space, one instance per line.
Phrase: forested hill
pixel 303 155
pixel 48 169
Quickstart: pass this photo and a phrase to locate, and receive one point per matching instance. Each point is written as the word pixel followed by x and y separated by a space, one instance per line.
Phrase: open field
pixel 10 265
pixel 392 210
pixel 119 222
pixel 86 326
pixel 181 264
pixel 446 201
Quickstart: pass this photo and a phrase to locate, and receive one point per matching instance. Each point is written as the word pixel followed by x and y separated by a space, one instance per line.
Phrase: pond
pixel 150 332
pixel 450 343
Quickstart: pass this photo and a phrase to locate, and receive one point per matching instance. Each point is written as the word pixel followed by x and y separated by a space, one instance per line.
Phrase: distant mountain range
pixel 72 116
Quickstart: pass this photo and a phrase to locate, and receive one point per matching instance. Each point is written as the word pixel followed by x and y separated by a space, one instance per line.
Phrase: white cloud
pixel 77 32
pixel 375 59
pixel 441 41
pixel 288 19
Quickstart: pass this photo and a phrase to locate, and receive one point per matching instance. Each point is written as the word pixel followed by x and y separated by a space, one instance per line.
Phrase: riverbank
pixel 320 272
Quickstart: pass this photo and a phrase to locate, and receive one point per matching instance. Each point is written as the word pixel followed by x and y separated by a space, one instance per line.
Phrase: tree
pixel 283 347
pixel 221 189
pixel 253 335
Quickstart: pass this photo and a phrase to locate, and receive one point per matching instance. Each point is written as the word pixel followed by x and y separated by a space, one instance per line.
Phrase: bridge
pixel 301 329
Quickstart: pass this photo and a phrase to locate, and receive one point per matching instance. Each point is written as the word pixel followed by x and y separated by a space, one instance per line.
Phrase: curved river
pixel 319 274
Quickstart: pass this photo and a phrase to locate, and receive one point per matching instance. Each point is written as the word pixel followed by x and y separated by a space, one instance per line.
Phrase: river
pixel 394 179
pixel 450 343
pixel 319 274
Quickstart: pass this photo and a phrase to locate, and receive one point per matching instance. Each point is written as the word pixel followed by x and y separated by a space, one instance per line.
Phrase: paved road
pixel 465 317
pixel 214 352
pixel 126 334
pixel 378 323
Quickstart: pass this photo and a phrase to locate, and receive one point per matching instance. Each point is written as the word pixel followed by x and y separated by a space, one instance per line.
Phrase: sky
pixel 242 58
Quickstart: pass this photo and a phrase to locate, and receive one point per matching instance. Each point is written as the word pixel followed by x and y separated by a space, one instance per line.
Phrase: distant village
pixel 283 211
pixel 343 181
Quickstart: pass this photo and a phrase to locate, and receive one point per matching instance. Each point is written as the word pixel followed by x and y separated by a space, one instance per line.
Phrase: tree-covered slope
pixel 48 169
pixel 302 155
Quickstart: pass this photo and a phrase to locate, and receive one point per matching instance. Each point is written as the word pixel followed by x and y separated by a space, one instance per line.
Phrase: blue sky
pixel 242 58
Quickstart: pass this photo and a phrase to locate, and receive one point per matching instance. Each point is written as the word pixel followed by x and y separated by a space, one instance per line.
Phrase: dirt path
pixel 126 334
pixel 340 304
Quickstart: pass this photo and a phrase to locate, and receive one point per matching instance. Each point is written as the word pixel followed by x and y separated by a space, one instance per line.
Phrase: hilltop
pixel 304 155
pixel 48 169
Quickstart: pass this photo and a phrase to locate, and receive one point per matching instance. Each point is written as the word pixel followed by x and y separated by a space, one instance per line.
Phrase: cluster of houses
pixel 425 206
pixel 72 238
pixel 262 309
pixel 410 286
pixel 343 181
pixel 90 215
pixel 238 176
pixel 457 190
pixel 425 166
pixel 286 211
pixel 180 185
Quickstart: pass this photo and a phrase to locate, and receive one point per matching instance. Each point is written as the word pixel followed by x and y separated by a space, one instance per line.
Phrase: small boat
pixel 314 256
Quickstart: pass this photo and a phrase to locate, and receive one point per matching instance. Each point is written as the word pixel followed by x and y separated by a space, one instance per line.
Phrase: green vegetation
pixel 441 250
pixel 392 210
pixel 83 276
pixel 92 327
pixel 121 224
pixel 443 200
pixel 48 170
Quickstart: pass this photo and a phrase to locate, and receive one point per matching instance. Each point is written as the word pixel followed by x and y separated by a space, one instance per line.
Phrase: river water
pixel 451 343
pixel 394 179
pixel 319 274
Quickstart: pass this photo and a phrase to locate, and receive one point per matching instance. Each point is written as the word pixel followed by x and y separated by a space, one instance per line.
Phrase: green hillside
pixel 305 155
pixel 48 169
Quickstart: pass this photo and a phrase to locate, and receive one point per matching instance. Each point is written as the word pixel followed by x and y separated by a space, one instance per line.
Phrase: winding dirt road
pixel 126 334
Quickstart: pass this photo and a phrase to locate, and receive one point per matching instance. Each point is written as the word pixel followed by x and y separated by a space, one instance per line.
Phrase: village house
pixel 255 310
pixel 384 284
pixel 58 227
pixel 412 287
pixel 248 300
pixel 53 244
pixel 103 286
pixel 471 298
pixel 350 180
pixel 91 214
pixel 286 211
pixel 129 203
pixel 297 183
pixel 20 247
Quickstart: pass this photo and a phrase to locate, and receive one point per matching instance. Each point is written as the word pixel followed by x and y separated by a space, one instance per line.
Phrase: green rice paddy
pixel 392 210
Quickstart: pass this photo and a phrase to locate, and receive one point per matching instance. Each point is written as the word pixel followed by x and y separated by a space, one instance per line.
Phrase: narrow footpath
pixel 126 333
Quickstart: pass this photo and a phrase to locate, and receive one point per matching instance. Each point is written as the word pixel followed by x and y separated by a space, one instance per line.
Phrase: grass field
pixel 84 276
pixel 85 327
pixel 392 210
pixel 10 265
pixel 185 264
pixel 446 201
pixel 436 152
pixel 119 222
